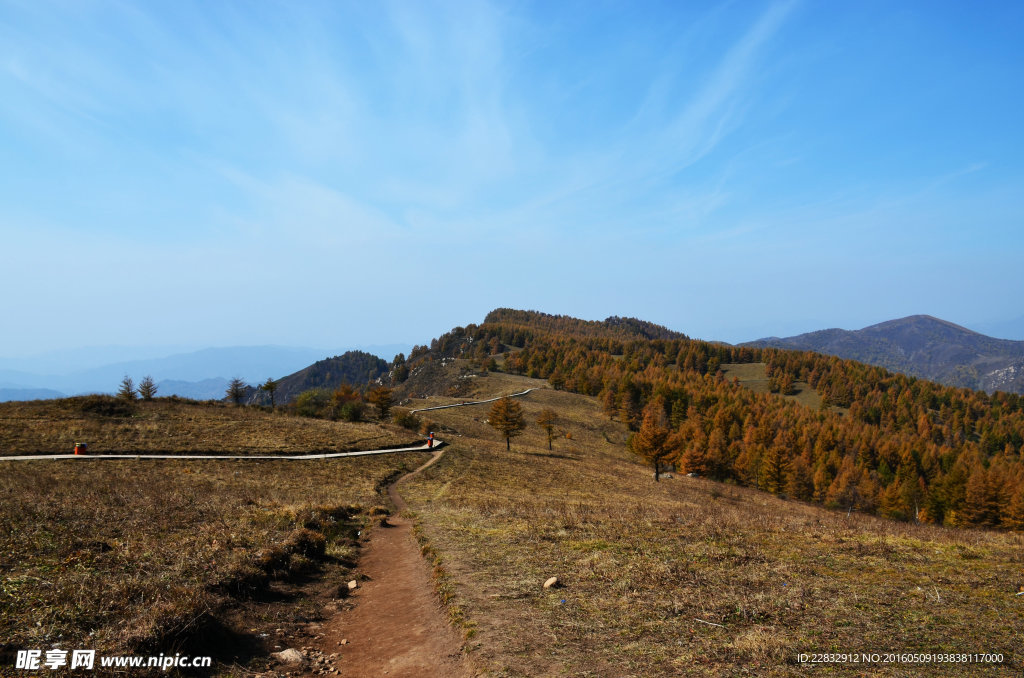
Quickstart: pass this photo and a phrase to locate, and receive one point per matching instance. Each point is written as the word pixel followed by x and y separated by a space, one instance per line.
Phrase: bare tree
pixel 546 420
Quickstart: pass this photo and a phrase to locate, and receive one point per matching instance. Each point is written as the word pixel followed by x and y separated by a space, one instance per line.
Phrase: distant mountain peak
pixel 921 320
pixel 921 346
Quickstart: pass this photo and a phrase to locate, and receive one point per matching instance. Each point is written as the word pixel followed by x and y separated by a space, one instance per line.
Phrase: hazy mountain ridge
pixel 8 394
pixel 204 389
pixel 921 346
pixel 201 374
pixel 356 368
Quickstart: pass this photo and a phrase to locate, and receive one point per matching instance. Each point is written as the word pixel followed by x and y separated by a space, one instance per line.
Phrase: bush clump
pixel 306 542
pixel 105 406
pixel 351 411
pixel 312 403
pixel 406 419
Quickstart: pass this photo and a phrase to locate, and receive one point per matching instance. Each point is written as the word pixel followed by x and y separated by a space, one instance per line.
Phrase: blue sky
pixel 328 174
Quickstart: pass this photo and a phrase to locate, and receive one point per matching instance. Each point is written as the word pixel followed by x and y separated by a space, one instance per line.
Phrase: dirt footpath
pixel 398 627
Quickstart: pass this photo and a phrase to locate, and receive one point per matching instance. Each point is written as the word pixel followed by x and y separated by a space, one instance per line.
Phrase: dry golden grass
pixel 681 577
pixel 122 556
pixel 165 425
pixel 687 576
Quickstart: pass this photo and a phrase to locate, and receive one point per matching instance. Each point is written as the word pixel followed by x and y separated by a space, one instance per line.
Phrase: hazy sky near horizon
pixel 339 173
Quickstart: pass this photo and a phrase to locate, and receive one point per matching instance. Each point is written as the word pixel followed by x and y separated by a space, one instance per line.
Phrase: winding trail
pixel 397 627
pixel 474 402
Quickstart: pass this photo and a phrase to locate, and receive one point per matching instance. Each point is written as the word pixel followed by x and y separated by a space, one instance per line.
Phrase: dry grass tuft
pixel 762 645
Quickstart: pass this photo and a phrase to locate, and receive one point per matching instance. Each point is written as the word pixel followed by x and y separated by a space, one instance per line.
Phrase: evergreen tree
pixel 557 380
pixel 147 388
pixel 127 390
pixel 981 499
pixel 382 399
pixel 651 441
pixel 399 370
pixel 236 390
pixel 270 387
pixel 507 417
pixel 773 469
pixel 695 458
pixel 1013 518
pixel 799 483
pixel 609 404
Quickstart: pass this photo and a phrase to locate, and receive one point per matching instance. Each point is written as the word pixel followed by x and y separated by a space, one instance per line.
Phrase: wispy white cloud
pixel 628 173
pixel 303 137
pixel 299 213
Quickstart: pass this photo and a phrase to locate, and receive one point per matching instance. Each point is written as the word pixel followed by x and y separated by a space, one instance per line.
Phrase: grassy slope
pixel 642 562
pixel 754 377
pixel 47 426
pixel 122 555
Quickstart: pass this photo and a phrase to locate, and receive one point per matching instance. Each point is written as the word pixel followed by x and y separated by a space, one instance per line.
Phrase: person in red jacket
pixel 430 440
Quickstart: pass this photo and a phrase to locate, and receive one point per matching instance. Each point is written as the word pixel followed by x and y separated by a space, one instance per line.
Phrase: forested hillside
pixel 355 368
pixel 883 443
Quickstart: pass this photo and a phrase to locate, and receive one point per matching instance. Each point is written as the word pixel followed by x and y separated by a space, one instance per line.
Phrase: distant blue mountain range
pixel 7 394
pixel 201 374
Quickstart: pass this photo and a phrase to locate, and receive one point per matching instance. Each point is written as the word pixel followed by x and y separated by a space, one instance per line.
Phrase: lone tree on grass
pixel 546 421
pixel 127 390
pixel 269 386
pixel 652 442
pixel 236 390
pixel 382 399
pixel 147 388
pixel 507 417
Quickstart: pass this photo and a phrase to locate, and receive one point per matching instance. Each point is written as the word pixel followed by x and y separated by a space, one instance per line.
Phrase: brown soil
pixel 397 627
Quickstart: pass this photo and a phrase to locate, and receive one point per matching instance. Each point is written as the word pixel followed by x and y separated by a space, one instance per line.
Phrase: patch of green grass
pixel 754 377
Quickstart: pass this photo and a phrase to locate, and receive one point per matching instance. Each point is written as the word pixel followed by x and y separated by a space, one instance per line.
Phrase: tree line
pixel 882 443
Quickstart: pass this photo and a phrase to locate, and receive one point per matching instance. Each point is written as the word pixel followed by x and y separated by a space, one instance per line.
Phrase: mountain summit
pixel 922 346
